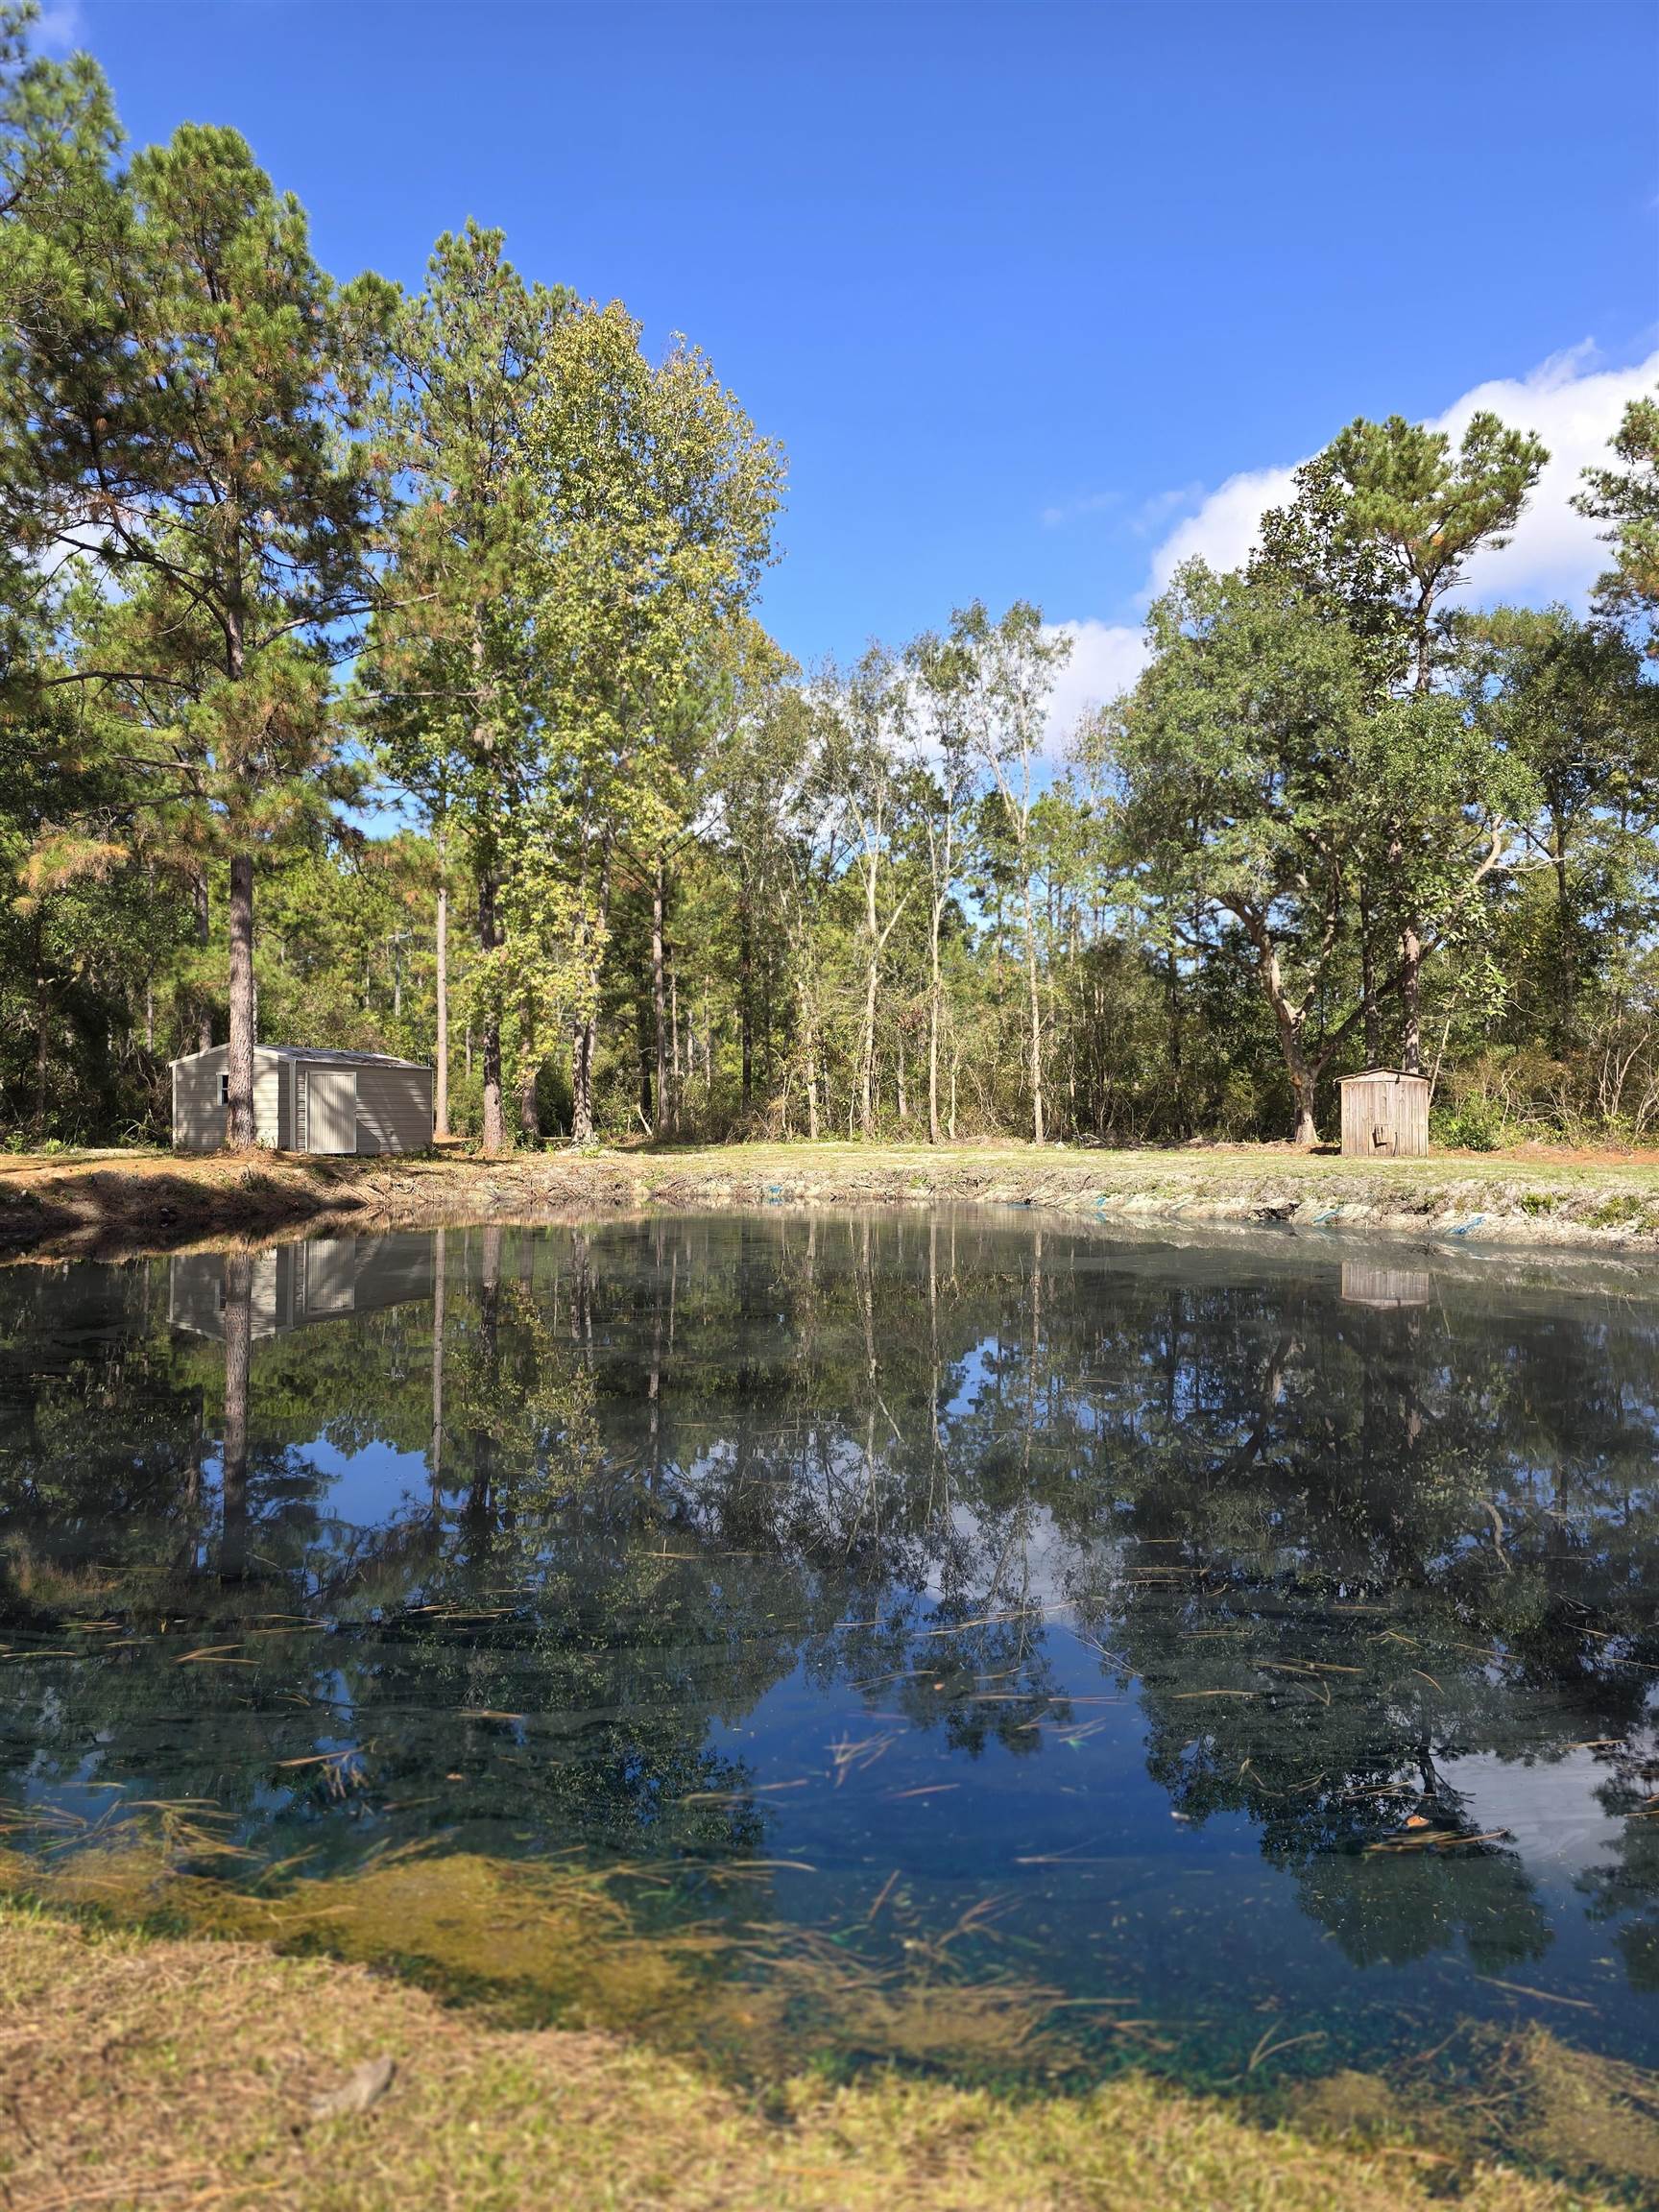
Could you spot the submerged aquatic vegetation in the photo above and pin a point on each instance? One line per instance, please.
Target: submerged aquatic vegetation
(210, 2092)
(821, 1644)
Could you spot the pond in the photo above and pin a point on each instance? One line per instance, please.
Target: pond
(937, 1637)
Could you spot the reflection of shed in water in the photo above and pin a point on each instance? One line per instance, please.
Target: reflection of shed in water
(1387, 1287)
(296, 1284)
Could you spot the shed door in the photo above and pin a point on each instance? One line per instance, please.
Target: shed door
(331, 1110)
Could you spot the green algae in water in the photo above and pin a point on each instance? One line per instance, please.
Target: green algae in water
(928, 1638)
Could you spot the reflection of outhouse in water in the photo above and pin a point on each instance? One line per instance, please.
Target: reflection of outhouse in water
(306, 1098)
(1385, 1287)
(1384, 1115)
(296, 1284)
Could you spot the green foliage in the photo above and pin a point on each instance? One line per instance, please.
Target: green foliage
(1474, 1124)
(634, 869)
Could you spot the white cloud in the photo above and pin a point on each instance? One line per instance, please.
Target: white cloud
(61, 27)
(1223, 529)
(1554, 553)
(1575, 408)
(1106, 658)
(1066, 511)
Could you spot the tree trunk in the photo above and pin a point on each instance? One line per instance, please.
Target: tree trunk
(867, 1054)
(809, 1052)
(872, 985)
(1304, 1077)
(664, 1116)
(582, 1044)
(239, 1127)
(1035, 999)
(529, 1121)
(435, 1456)
(935, 994)
(1368, 986)
(441, 1074)
(1304, 1086)
(1411, 999)
(745, 982)
(233, 1449)
(42, 1027)
(495, 1117)
(204, 932)
(1566, 930)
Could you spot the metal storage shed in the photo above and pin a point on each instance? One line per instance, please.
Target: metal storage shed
(1384, 1115)
(307, 1098)
(294, 1285)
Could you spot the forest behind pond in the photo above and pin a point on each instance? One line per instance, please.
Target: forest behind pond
(385, 669)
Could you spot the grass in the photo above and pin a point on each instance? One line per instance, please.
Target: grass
(141, 2073)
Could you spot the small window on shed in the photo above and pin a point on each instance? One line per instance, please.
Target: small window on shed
(225, 1088)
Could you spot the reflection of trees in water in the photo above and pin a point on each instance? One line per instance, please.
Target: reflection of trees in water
(1341, 1544)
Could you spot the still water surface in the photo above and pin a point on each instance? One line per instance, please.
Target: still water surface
(1249, 1648)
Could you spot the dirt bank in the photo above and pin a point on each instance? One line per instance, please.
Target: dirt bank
(117, 1203)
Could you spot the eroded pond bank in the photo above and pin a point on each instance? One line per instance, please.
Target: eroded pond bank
(119, 1204)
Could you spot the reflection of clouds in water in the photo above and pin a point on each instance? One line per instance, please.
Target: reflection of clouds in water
(704, 1497)
(1557, 1823)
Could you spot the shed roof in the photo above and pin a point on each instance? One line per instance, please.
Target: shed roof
(1392, 1074)
(328, 1052)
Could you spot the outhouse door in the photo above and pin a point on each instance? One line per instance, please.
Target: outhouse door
(331, 1110)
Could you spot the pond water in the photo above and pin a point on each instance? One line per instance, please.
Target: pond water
(967, 1637)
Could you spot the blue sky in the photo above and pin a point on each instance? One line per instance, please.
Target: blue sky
(1035, 295)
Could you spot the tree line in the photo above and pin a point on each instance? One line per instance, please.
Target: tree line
(384, 668)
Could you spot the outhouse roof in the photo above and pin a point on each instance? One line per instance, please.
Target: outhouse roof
(1393, 1075)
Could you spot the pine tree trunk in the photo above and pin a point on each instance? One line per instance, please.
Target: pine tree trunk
(1368, 986)
(441, 1075)
(204, 934)
(240, 1132)
(495, 1115)
(233, 1449)
(529, 1120)
(42, 1027)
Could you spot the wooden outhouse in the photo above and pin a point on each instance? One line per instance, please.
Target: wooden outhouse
(307, 1098)
(1384, 1115)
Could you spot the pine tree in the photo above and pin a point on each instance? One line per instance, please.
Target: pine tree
(186, 434)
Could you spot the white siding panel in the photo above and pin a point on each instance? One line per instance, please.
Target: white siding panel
(393, 1109)
(198, 1117)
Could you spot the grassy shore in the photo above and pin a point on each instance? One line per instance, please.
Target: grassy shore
(144, 1201)
(145, 2074)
